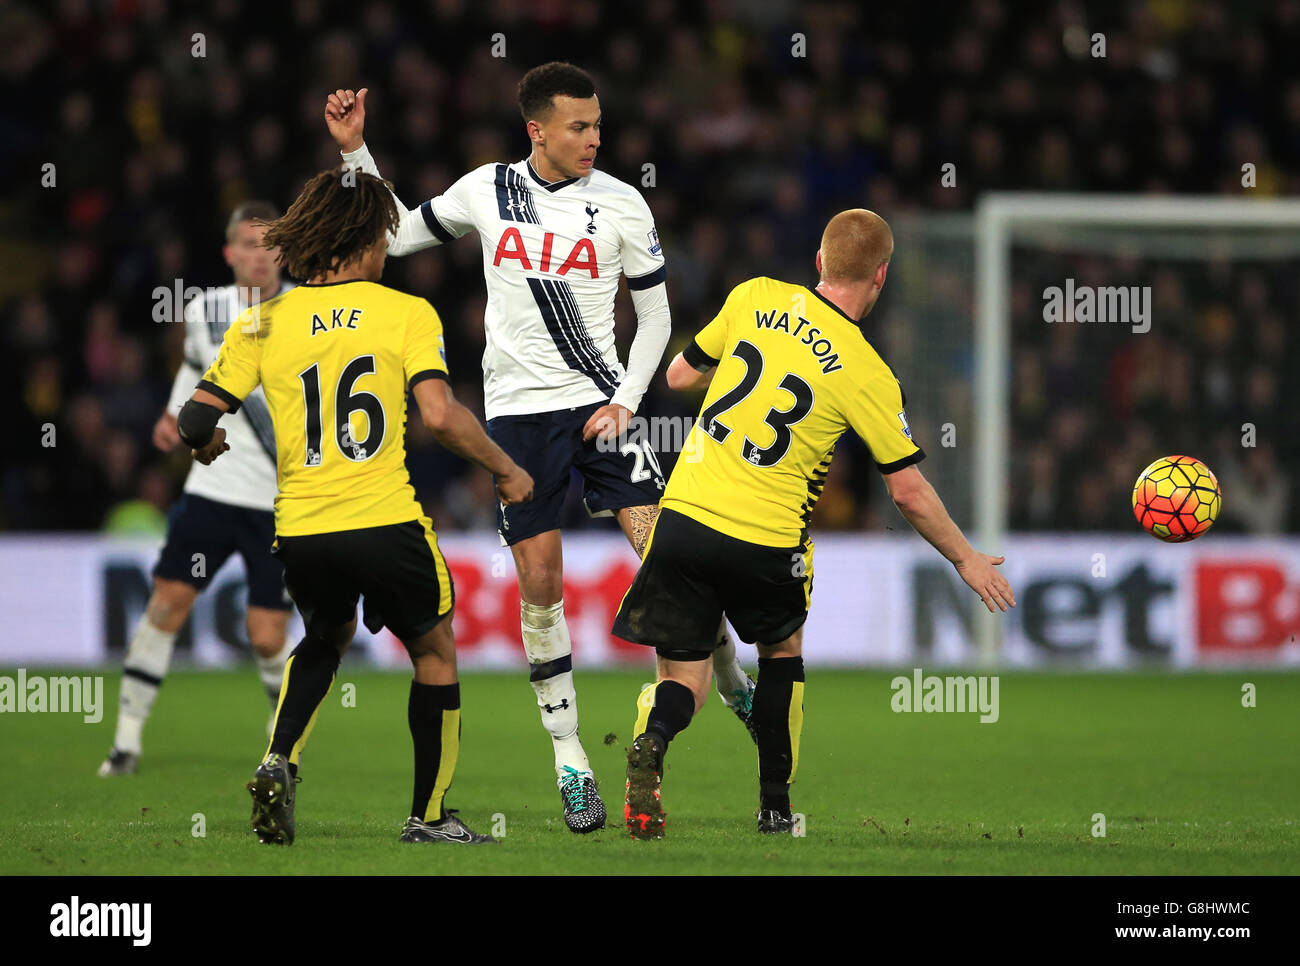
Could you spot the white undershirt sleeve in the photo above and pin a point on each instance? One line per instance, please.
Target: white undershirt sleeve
(413, 234)
(653, 327)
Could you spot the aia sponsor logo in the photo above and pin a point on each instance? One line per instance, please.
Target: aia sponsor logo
(511, 247)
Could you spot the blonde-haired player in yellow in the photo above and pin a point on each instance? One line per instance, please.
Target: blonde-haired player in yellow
(788, 370)
(336, 357)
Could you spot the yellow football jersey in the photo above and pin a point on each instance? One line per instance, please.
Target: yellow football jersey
(335, 362)
(793, 373)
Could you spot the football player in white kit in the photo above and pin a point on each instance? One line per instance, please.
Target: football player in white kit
(556, 235)
(226, 507)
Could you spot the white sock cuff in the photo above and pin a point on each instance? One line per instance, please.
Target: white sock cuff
(540, 616)
(545, 634)
(150, 650)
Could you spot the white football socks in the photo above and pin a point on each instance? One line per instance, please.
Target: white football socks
(271, 670)
(727, 672)
(147, 660)
(550, 659)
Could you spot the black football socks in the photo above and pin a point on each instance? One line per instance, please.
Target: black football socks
(673, 708)
(778, 720)
(433, 713)
(307, 678)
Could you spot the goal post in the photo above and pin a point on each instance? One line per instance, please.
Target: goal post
(999, 216)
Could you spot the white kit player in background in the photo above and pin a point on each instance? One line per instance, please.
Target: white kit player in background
(226, 507)
(556, 235)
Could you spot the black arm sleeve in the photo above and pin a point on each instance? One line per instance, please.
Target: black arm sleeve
(697, 358)
(196, 423)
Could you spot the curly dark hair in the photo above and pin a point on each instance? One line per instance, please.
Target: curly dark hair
(539, 87)
(339, 214)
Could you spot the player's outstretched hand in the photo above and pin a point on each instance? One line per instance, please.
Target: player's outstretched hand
(345, 114)
(215, 448)
(607, 422)
(515, 487)
(992, 587)
(165, 434)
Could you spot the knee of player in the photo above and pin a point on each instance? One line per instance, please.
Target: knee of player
(265, 643)
(433, 648)
(268, 631)
(322, 640)
(169, 605)
(433, 668)
(541, 584)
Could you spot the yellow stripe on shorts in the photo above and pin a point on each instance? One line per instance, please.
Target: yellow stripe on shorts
(440, 566)
(807, 575)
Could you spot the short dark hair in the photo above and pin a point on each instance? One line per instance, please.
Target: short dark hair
(339, 215)
(250, 211)
(541, 85)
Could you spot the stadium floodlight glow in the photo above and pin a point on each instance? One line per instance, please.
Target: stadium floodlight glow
(998, 216)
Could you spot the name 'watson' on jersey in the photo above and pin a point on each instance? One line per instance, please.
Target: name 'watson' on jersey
(552, 256)
(794, 372)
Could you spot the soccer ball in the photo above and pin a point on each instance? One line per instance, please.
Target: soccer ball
(1176, 498)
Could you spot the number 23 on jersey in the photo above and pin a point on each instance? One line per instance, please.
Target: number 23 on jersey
(778, 421)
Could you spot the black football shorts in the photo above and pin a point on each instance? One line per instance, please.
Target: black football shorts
(398, 568)
(203, 533)
(692, 575)
(549, 446)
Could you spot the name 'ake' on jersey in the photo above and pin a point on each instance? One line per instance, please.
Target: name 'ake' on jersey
(794, 372)
(335, 361)
(552, 256)
(248, 481)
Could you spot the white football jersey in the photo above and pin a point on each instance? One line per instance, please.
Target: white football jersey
(552, 256)
(245, 476)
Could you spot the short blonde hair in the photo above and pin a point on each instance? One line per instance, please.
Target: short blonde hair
(854, 245)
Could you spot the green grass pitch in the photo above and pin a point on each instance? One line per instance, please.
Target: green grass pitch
(1189, 781)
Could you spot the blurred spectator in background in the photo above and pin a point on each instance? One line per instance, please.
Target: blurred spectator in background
(744, 140)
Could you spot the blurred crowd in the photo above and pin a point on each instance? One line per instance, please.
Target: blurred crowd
(1093, 403)
(133, 127)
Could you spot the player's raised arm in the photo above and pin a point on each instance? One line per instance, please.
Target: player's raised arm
(345, 115)
(418, 228)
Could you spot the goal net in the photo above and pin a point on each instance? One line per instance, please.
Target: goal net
(1111, 330)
